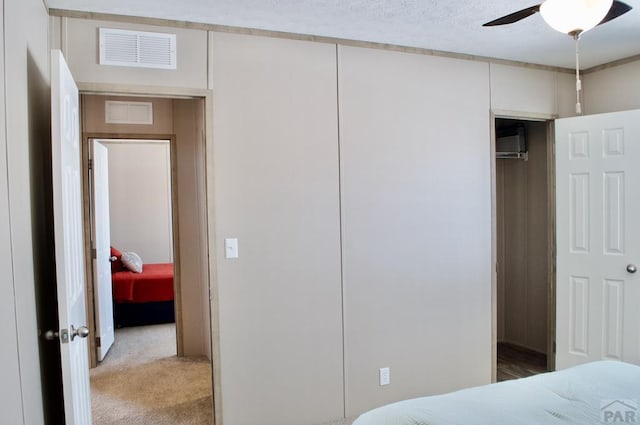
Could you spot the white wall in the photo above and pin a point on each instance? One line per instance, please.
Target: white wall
(10, 399)
(416, 220)
(140, 198)
(292, 188)
(612, 89)
(277, 191)
(527, 92)
(80, 45)
(25, 77)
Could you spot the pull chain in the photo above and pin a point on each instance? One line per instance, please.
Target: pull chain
(576, 37)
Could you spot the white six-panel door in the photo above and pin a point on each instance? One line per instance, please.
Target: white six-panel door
(102, 245)
(598, 238)
(69, 242)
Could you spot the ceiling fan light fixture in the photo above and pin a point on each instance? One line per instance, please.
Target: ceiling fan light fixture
(574, 16)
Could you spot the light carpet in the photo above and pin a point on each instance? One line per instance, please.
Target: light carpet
(142, 382)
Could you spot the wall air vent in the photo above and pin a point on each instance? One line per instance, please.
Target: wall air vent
(137, 49)
(117, 112)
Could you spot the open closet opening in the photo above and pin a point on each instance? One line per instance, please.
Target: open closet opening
(147, 260)
(524, 248)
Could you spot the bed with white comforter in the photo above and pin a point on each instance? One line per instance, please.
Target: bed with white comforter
(590, 394)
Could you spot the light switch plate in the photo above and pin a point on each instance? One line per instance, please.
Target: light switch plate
(231, 248)
(385, 376)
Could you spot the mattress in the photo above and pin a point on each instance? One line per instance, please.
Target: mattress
(589, 394)
(154, 284)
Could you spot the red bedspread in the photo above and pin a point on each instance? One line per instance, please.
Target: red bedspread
(155, 283)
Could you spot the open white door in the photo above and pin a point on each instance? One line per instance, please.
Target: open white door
(102, 245)
(69, 250)
(598, 238)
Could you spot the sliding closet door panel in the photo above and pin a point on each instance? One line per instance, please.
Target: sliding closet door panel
(416, 219)
(276, 192)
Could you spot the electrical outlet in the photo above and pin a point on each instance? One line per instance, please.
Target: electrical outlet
(385, 376)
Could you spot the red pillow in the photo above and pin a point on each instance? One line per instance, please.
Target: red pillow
(116, 260)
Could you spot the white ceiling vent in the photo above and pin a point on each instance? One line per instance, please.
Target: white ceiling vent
(137, 48)
(117, 112)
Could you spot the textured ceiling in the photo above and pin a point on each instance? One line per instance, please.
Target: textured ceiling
(451, 26)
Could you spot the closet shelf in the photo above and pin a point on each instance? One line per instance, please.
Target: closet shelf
(512, 155)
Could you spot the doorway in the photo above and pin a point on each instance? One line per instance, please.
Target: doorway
(131, 215)
(524, 248)
(156, 150)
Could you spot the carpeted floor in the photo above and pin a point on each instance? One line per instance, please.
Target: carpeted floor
(142, 382)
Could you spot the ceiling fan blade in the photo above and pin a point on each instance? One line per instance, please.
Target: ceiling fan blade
(515, 16)
(618, 8)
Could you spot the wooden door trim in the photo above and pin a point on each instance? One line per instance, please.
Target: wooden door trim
(551, 249)
(88, 212)
(211, 279)
(551, 233)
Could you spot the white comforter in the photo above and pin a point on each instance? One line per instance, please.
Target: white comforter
(581, 395)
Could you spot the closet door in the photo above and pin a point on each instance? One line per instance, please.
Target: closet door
(598, 238)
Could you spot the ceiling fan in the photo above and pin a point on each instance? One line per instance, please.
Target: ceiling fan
(572, 17)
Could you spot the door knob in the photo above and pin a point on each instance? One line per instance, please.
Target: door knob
(64, 334)
(631, 268)
(51, 335)
(81, 332)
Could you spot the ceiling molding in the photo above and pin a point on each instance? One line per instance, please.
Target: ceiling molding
(66, 13)
(612, 64)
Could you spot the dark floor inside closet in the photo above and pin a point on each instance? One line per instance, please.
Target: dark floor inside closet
(517, 362)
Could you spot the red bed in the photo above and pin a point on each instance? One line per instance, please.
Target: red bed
(142, 298)
(155, 283)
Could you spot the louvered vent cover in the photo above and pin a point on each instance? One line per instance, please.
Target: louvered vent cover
(117, 112)
(137, 49)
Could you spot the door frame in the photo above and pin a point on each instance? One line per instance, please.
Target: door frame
(103, 89)
(551, 233)
(552, 247)
(88, 212)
